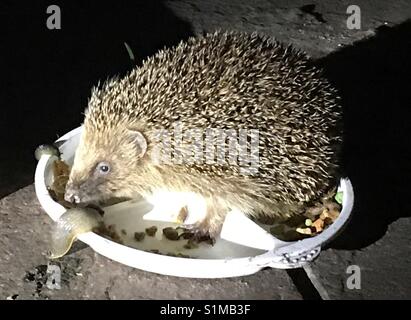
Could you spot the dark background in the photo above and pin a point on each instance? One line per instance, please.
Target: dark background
(47, 75)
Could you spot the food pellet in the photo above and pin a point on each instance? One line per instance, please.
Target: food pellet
(151, 231)
(304, 230)
(170, 233)
(139, 236)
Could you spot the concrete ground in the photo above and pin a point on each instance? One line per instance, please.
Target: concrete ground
(371, 69)
(88, 275)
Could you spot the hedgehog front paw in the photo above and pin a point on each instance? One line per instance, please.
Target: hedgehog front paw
(202, 232)
(208, 227)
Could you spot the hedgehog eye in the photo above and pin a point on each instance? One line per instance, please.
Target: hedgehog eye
(103, 168)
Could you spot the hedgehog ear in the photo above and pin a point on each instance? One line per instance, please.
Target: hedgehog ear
(139, 141)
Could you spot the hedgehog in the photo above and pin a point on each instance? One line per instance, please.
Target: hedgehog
(224, 83)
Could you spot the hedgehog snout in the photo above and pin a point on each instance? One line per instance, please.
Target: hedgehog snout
(82, 191)
(72, 196)
(73, 192)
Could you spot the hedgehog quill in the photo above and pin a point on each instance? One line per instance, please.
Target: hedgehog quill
(223, 80)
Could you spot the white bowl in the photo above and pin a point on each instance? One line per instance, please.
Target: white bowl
(225, 259)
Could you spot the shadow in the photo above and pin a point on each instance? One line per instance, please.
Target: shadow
(303, 284)
(374, 80)
(48, 74)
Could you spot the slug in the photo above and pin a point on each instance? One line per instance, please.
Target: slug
(49, 149)
(72, 223)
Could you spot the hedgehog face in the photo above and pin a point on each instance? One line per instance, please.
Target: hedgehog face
(105, 166)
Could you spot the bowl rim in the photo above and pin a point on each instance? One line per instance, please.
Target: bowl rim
(293, 255)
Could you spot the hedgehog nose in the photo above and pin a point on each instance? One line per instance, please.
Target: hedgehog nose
(71, 196)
